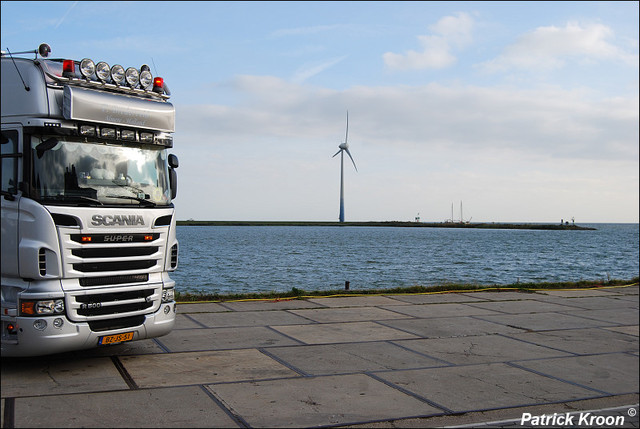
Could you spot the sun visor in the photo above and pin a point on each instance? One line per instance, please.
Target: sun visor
(89, 105)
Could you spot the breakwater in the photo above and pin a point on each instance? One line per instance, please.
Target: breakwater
(396, 224)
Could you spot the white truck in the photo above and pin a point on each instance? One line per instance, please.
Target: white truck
(88, 225)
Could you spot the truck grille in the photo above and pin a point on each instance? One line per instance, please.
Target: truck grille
(112, 256)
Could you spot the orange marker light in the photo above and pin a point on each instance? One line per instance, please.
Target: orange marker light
(27, 307)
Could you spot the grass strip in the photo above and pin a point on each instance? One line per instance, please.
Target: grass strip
(295, 293)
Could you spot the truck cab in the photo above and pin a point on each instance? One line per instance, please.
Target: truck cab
(87, 214)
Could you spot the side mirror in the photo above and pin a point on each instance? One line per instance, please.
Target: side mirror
(173, 176)
(173, 161)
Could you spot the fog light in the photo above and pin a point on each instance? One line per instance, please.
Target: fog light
(167, 309)
(117, 74)
(40, 324)
(132, 76)
(87, 68)
(145, 79)
(58, 322)
(103, 71)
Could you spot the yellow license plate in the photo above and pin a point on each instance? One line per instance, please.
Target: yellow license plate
(117, 338)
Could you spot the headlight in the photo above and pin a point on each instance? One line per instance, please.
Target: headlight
(117, 74)
(87, 68)
(167, 295)
(103, 71)
(42, 307)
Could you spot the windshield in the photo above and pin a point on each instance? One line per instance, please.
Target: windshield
(72, 171)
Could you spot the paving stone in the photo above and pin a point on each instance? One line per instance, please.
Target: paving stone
(328, 315)
(582, 341)
(520, 307)
(631, 330)
(440, 310)
(614, 373)
(628, 316)
(503, 295)
(486, 386)
(479, 349)
(135, 408)
(544, 321)
(178, 369)
(185, 321)
(290, 304)
(446, 327)
(318, 401)
(249, 318)
(356, 301)
(581, 292)
(328, 333)
(47, 376)
(435, 298)
(200, 307)
(600, 303)
(223, 338)
(351, 357)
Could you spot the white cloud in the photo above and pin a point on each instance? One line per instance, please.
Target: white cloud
(552, 47)
(449, 33)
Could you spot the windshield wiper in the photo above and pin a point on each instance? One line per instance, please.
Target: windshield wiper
(138, 199)
(71, 198)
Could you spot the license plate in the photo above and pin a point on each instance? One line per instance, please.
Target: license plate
(117, 338)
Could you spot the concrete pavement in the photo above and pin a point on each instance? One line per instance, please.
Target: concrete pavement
(458, 359)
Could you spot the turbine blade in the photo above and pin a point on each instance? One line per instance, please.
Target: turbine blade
(337, 153)
(354, 163)
(346, 135)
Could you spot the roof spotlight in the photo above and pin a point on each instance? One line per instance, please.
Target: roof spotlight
(132, 77)
(117, 74)
(146, 79)
(87, 68)
(103, 71)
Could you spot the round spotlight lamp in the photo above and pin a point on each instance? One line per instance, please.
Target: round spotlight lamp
(103, 71)
(87, 68)
(117, 74)
(132, 77)
(146, 80)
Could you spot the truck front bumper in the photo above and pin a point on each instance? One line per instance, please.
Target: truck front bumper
(37, 336)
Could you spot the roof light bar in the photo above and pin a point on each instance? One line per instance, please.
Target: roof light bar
(138, 80)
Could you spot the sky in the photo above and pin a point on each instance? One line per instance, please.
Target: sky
(516, 111)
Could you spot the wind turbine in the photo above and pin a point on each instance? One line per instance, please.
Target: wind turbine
(344, 147)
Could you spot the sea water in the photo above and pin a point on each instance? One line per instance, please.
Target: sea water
(244, 259)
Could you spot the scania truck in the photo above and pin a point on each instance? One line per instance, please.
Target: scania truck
(88, 225)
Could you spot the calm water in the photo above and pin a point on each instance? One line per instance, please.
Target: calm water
(229, 259)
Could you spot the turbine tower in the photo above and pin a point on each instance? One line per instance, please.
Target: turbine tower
(344, 147)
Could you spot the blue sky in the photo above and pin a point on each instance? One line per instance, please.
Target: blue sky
(524, 111)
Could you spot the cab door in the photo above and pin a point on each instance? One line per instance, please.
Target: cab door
(10, 166)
